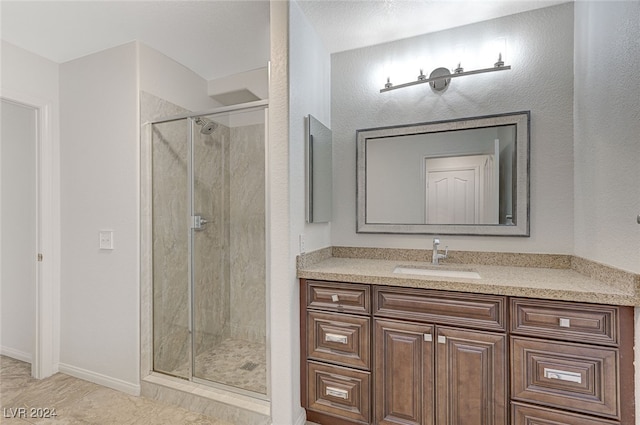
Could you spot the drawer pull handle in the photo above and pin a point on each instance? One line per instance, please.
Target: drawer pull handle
(342, 339)
(563, 375)
(428, 337)
(335, 298)
(337, 392)
(565, 323)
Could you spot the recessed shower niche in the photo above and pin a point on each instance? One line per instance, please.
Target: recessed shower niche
(208, 248)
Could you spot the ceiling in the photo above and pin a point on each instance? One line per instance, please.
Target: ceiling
(218, 38)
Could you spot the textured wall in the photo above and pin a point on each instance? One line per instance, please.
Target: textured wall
(607, 133)
(540, 50)
(310, 74)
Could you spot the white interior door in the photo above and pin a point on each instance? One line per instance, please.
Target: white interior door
(18, 150)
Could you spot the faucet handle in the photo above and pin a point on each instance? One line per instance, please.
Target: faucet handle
(436, 241)
(446, 251)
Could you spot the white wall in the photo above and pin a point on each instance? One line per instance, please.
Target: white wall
(30, 74)
(607, 133)
(100, 190)
(285, 409)
(256, 81)
(540, 50)
(169, 80)
(310, 93)
(607, 139)
(31, 79)
(297, 88)
(18, 178)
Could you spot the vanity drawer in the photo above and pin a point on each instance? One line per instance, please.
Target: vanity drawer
(339, 338)
(565, 375)
(528, 415)
(341, 297)
(577, 322)
(471, 310)
(339, 392)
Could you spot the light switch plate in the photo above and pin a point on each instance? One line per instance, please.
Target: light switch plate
(106, 239)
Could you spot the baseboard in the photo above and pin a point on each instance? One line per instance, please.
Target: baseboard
(302, 418)
(100, 379)
(16, 354)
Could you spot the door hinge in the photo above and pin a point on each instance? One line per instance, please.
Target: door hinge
(39, 257)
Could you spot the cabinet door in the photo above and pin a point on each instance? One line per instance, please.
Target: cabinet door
(471, 373)
(403, 373)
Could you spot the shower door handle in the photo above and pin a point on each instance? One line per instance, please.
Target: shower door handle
(198, 222)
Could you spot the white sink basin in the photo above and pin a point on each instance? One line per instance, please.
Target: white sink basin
(437, 272)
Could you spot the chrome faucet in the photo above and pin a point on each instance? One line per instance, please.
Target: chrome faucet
(435, 259)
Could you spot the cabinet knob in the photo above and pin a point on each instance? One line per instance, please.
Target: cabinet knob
(442, 339)
(335, 298)
(565, 323)
(428, 337)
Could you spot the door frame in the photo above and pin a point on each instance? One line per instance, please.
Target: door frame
(47, 302)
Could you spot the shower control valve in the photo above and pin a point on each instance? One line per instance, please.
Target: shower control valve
(198, 222)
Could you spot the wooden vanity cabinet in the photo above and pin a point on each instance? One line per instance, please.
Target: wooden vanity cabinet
(386, 355)
(426, 374)
(437, 372)
(571, 363)
(439, 358)
(335, 335)
(405, 370)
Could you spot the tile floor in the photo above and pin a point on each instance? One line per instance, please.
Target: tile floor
(78, 402)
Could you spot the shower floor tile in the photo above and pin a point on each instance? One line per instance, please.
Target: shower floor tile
(237, 363)
(234, 362)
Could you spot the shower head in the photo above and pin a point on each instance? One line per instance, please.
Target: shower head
(208, 126)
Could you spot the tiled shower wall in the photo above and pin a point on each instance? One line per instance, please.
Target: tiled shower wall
(247, 230)
(211, 244)
(229, 254)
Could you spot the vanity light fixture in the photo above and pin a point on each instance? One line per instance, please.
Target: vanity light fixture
(440, 78)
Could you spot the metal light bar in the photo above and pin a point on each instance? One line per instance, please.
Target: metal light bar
(445, 77)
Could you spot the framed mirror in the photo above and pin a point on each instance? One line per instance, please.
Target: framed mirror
(457, 177)
(319, 171)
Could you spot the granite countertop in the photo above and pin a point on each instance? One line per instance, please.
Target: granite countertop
(535, 276)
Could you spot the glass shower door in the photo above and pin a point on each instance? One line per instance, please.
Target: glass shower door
(228, 250)
(171, 301)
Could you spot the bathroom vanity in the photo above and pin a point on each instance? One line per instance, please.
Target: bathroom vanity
(378, 347)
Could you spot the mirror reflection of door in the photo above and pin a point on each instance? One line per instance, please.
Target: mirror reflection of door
(462, 189)
(451, 196)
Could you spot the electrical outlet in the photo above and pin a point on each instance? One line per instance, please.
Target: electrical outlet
(106, 239)
(301, 240)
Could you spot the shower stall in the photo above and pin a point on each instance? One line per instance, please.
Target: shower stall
(209, 305)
